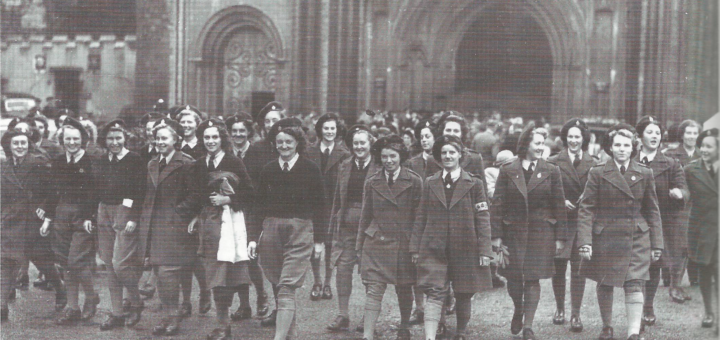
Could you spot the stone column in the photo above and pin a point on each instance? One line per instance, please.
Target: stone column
(152, 68)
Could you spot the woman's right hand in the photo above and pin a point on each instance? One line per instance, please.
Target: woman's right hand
(415, 258)
(569, 205)
(191, 226)
(45, 228)
(40, 213)
(252, 250)
(586, 252)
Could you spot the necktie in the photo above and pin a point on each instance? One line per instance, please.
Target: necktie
(448, 180)
(113, 158)
(286, 167)
(645, 160)
(711, 171)
(531, 167)
(622, 169)
(391, 180)
(211, 163)
(72, 159)
(576, 162)
(152, 152)
(163, 163)
(324, 158)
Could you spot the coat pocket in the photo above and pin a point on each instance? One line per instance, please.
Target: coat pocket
(598, 228)
(643, 226)
(372, 230)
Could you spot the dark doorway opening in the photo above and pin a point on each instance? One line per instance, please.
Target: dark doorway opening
(504, 61)
(68, 87)
(259, 99)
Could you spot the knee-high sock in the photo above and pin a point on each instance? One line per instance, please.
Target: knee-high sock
(373, 304)
(678, 270)
(116, 290)
(223, 300)
(72, 285)
(706, 288)
(199, 271)
(343, 284)
(186, 284)
(463, 310)
(634, 310)
(285, 313)
(405, 303)
(515, 290)
(577, 288)
(86, 280)
(328, 266)
(276, 291)
(244, 295)
(433, 310)
(7, 280)
(256, 276)
(419, 298)
(559, 282)
(315, 264)
(532, 298)
(651, 287)
(605, 302)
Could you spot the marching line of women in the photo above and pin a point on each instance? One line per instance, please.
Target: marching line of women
(201, 199)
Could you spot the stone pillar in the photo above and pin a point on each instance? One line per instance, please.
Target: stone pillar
(152, 68)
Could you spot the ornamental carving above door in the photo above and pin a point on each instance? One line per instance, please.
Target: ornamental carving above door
(251, 65)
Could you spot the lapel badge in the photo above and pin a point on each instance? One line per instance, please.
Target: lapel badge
(539, 175)
(82, 170)
(482, 206)
(448, 186)
(632, 178)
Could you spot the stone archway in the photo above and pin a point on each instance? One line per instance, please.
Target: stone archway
(239, 53)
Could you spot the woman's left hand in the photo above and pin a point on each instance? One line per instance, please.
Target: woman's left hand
(88, 226)
(559, 246)
(676, 193)
(219, 200)
(319, 249)
(656, 254)
(484, 261)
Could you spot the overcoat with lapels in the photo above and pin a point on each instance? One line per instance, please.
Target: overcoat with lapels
(529, 218)
(450, 239)
(386, 225)
(619, 217)
(703, 229)
(340, 204)
(424, 168)
(163, 232)
(574, 180)
(330, 172)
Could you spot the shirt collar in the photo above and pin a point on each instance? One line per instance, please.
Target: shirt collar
(169, 157)
(291, 162)
(573, 156)
(241, 152)
(191, 144)
(394, 175)
(526, 164)
(78, 155)
(119, 156)
(454, 175)
(650, 156)
(218, 158)
(363, 164)
(626, 164)
(323, 147)
(425, 156)
(151, 147)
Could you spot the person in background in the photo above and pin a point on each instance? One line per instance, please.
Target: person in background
(51, 147)
(189, 119)
(147, 122)
(120, 188)
(702, 180)
(574, 163)
(353, 172)
(327, 154)
(262, 152)
(390, 199)
(451, 238)
(484, 141)
(492, 172)
(528, 216)
(619, 229)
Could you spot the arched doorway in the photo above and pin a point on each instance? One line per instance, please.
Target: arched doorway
(504, 61)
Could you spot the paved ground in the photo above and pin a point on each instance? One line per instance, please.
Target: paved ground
(32, 317)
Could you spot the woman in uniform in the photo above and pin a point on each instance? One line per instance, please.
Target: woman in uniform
(528, 217)
(72, 206)
(619, 229)
(164, 240)
(189, 119)
(574, 163)
(687, 151)
(702, 179)
(390, 200)
(672, 194)
(345, 216)
(220, 192)
(289, 210)
(120, 189)
(327, 154)
(451, 238)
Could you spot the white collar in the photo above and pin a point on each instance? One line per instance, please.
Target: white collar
(573, 156)
(169, 157)
(526, 164)
(425, 155)
(241, 152)
(626, 164)
(218, 158)
(454, 175)
(650, 156)
(191, 144)
(323, 147)
(395, 174)
(291, 162)
(151, 147)
(119, 156)
(363, 164)
(78, 155)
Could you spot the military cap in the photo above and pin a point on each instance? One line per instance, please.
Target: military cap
(644, 122)
(426, 123)
(150, 117)
(74, 123)
(354, 129)
(271, 106)
(172, 124)
(9, 135)
(115, 125)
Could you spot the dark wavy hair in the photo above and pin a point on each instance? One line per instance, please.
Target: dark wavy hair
(225, 142)
(328, 117)
(447, 140)
(7, 139)
(242, 120)
(453, 118)
(709, 133)
(296, 132)
(624, 130)
(584, 131)
(392, 142)
(526, 138)
(646, 121)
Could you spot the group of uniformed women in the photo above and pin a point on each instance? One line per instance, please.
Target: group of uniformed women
(201, 200)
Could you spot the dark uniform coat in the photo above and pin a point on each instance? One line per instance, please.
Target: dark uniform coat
(681, 155)
(257, 156)
(573, 180)
(386, 225)
(423, 168)
(163, 232)
(330, 172)
(339, 205)
(619, 217)
(703, 228)
(451, 238)
(529, 217)
(668, 174)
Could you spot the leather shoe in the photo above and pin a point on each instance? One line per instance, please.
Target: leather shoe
(417, 317)
(160, 328)
(134, 315)
(220, 333)
(404, 334)
(60, 296)
(327, 293)
(528, 334)
(270, 320)
(576, 324)
(708, 321)
(649, 318)
(607, 333)
(4, 313)
(205, 302)
(450, 309)
(677, 295)
(516, 325)
(316, 292)
(636, 337)
(341, 324)
(185, 310)
(147, 293)
(174, 326)
(111, 322)
(262, 304)
(126, 304)
(559, 318)
(242, 313)
(90, 307)
(70, 317)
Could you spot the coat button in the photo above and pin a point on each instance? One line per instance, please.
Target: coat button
(630, 202)
(382, 238)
